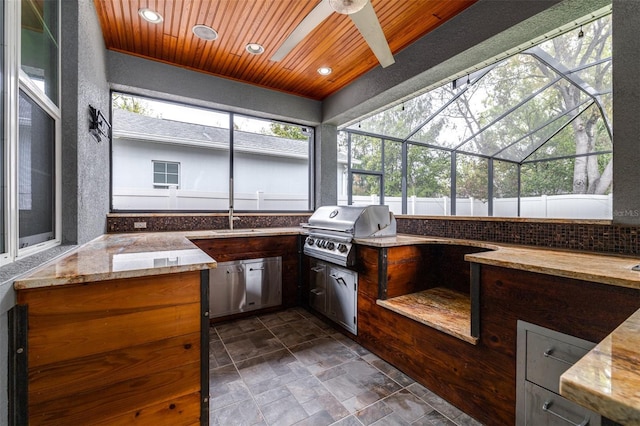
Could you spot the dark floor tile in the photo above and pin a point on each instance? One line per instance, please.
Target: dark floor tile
(373, 413)
(271, 371)
(442, 406)
(321, 418)
(466, 420)
(295, 333)
(218, 355)
(348, 421)
(242, 413)
(392, 419)
(239, 327)
(283, 412)
(314, 398)
(436, 419)
(392, 372)
(321, 354)
(226, 387)
(407, 405)
(357, 384)
(252, 344)
(279, 318)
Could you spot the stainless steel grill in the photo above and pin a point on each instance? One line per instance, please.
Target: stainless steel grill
(333, 228)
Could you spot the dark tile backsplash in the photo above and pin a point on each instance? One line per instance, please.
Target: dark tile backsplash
(570, 235)
(594, 237)
(158, 223)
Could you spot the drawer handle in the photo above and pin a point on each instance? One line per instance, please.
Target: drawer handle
(339, 279)
(549, 354)
(317, 269)
(546, 408)
(256, 269)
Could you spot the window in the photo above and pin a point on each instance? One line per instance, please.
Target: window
(29, 158)
(36, 174)
(39, 44)
(165, 174)
(205, 160)
(529, 135)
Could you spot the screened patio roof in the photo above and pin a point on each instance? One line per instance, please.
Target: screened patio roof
(523, 127)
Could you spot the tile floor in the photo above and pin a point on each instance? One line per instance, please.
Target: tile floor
(291, 368)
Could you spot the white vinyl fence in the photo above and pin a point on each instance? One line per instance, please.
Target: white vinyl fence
(570, 206)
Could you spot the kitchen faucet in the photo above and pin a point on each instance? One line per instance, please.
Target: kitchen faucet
(232, 217)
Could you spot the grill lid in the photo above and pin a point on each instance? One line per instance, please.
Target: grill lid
(358, 221)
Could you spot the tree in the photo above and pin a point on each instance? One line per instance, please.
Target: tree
(287, 131)
(132, 104)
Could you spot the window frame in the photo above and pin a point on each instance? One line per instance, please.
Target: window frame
(231, 115)
(158, 185)
(14, 81)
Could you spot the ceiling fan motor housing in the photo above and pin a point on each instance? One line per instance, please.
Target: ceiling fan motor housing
(347, 7)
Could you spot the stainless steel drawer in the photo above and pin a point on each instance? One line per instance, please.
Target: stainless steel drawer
(543, 407)
(548, 358)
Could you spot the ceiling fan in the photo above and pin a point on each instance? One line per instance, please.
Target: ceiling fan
(361, 13)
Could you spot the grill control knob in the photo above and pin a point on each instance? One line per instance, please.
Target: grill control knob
(330, 245)
(342, 248)
(310, 241)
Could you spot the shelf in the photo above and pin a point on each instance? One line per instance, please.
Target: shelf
(441, 308)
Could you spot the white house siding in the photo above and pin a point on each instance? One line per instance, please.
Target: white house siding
(261, 182)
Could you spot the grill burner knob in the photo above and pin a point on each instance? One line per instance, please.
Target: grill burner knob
(330, 245)
(310, 241)
(342, 248)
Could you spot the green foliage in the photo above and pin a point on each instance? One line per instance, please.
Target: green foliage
(131, 104)
(287, 131)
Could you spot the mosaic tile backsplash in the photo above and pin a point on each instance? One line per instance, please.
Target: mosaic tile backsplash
(570, 235)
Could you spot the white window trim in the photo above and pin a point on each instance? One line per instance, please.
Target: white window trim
(164, 185)
(15, 80)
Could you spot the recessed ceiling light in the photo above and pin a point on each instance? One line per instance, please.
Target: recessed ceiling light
(150, 15)
(254, 48)
(324, 70)
(204, 32)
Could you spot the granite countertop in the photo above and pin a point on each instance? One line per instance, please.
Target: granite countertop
(113, 256)
(607, 379)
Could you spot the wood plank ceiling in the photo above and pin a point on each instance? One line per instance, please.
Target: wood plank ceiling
(335, 43)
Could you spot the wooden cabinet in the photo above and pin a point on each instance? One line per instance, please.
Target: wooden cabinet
(479, 379)
(122, 351)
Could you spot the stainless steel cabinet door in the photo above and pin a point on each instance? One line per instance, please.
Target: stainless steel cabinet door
(226, 289)
(342, 297)
(263, 282)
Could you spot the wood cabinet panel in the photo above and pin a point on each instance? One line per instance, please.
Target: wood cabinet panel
(582, 309)
(104, 403)
(77, 375)
(110, 350)
(181, 411)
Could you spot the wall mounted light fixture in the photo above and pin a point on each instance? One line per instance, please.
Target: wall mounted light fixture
(99, 126)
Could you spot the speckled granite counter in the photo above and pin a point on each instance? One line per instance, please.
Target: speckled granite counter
(113, 256)
(607, 379)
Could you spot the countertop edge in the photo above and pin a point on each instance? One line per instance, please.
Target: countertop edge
(583, 383)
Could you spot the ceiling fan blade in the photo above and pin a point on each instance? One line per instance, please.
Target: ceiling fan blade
(312, 20)
(369, 26)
